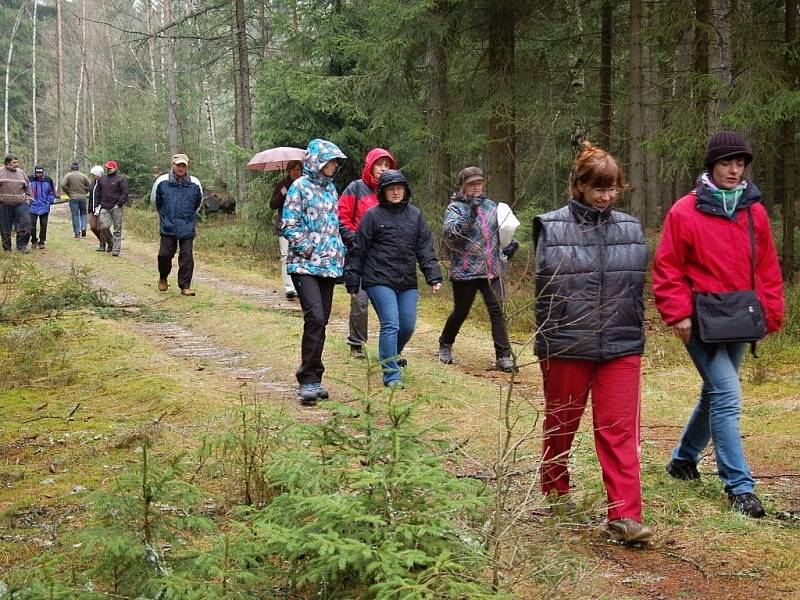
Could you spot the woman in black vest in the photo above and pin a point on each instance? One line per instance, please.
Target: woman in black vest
(590, 268)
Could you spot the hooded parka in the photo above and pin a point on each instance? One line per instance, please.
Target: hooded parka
(360, 195)
(390, 241)
(590, 271)
(310, 219)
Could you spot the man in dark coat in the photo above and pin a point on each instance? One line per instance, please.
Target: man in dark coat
(177, 196)
(112, 192)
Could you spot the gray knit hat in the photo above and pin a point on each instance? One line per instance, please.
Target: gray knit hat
(726, 144)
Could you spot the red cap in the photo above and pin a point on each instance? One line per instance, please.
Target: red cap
(112, 164)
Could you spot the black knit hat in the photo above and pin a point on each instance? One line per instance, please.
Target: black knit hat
(75, 166)
(726, 144)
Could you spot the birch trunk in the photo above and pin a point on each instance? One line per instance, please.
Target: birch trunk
(33, 89)
(8, 76)
(79, 93)
(150, 47)
(172, 83)
(60, 91)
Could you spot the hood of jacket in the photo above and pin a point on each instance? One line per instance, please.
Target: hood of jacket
(318, 153)
(707, 203)
(393, 177)
(369, 161)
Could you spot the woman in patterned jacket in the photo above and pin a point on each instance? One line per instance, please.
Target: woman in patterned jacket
(316, 256)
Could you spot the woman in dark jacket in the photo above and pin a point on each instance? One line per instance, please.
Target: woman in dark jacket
(590, 267)
(391, 240)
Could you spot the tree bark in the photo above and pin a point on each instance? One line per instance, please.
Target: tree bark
(79, 92)
(789, 146)
(438, 113)
(8, 75)
(172, 79)
(244, 75)
(501, 146)
(701, 36)
(151, 53)
(59, 91)
(720, 62)
(636, 172)
(606, 57)
(34, 112)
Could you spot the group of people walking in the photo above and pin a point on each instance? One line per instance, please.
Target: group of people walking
(590, 266)
(25, 204)
(374, 238)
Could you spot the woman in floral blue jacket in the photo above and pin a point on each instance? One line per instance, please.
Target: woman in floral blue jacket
(316, 256)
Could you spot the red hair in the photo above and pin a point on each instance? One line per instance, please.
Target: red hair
(595, 167)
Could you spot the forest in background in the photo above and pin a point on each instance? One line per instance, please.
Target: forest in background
(513, 86)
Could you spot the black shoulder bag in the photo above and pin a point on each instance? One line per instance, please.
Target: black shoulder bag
(732, 316)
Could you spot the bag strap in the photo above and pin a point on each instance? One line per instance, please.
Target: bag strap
(751, 228)
(751, 231)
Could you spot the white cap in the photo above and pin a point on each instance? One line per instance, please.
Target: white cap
(97, 171)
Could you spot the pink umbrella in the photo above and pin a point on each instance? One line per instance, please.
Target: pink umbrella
(275, 159)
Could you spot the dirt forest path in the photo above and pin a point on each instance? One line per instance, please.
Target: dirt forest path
(241, 327)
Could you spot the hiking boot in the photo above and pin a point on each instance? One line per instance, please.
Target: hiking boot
(748, 504)
(24, 250)
(308, 394)
(505, 364)
(681, 469)
(110, 249)
(162, 285)
(357, 352)
(394, 385)
(291, 295)
(628, 531)
(101, 248)
(83, 233)
(322, 393)
(185, 291)
(446, 353)
(41, 245)
(402, 362)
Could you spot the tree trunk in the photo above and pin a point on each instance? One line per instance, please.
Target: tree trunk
(172, 79)
(244, 75)
(789, 146)
(8, 75)
(59, 92)
(606, 57)
(438, 115)
(78, 94)
(651, 124)
(577, 74)
(720, 62)
(151, 53)
(211, 124)
(34, 113)
(636, 172)
(701, 36)
(501, 146)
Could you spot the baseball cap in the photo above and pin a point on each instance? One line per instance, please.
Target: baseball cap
(180, 159)
(38, 169)
(112, 164)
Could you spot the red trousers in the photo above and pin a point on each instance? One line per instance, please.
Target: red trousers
(615, 386)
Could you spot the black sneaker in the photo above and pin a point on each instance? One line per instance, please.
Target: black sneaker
(684, 470)
(402, 362)
(748, 504)
(357, 352)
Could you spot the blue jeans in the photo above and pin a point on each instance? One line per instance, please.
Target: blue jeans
(716, 416)
(397, 312)
(77, 209)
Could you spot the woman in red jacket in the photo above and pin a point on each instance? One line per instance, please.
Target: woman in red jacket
(705, 247)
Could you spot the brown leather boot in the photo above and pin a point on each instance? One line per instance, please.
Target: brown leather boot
(187, 292)
(162, 285)
(629, 531)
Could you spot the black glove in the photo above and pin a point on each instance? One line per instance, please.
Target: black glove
(511, 249)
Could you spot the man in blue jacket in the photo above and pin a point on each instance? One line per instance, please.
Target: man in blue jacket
(44, 194)
(177, 196)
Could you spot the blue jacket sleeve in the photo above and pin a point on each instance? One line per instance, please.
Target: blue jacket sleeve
(293, 222)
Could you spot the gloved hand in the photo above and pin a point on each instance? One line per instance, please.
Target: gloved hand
(511, 249)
